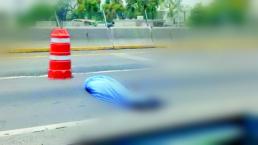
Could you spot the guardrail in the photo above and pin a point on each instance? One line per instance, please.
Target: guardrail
(131, 37)
(90, 38)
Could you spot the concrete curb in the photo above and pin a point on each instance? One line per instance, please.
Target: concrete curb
(87, 48)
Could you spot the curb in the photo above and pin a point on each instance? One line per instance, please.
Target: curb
(87, 48)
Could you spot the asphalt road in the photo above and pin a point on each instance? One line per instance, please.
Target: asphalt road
(28, 98)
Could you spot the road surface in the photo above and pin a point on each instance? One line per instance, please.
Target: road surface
(179, 78)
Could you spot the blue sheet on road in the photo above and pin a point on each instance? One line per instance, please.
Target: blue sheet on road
(110, 90)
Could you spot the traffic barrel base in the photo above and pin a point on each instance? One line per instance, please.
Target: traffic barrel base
(63, 74)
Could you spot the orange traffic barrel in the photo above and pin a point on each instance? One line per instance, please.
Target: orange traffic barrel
(60, 55)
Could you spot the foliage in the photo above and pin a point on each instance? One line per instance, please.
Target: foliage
(198, 16)
(139, 7)
(91, 9)
(62, 9)
(114, 9)
(219, 12)
(173, 7)
(66, 9)
(133, 8)
(87, 8)
(151, 7)
(38, 12)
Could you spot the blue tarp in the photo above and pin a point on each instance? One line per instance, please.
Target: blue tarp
(108, 89)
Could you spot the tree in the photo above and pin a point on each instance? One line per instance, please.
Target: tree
(38, 12)
(173, 6)
(150, 7)
(92, 8)
(140, 7)
(113, 9)
(219, 13)
(198, 16)
(65, 9)
(133, 8)
(87, 8)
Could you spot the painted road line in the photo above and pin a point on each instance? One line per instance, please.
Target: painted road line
(21, 77)
(45, 128)
(74, 74)
(112, 71)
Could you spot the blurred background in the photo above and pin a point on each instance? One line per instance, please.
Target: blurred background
(206, 21)
(199, 57)
(163, 12)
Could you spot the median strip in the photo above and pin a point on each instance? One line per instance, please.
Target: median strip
(86, 48)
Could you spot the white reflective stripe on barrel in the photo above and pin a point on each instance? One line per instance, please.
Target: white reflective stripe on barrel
(56, 57)
(60, 40)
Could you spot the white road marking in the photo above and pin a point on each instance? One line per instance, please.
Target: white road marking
(86, 73)
(112, 71)
(20, 77)
(44, 128)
